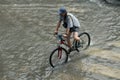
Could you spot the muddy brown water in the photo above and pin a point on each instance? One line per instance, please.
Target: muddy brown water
(26, 40)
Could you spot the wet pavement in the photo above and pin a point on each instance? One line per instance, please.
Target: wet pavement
(26, 40)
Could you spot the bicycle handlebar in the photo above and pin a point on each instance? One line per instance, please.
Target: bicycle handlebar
(59, 36)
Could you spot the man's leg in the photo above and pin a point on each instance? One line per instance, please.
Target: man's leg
(77, 38)
(75, 35)
(68, 39)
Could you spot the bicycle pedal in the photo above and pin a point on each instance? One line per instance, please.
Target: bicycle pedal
(70, 50)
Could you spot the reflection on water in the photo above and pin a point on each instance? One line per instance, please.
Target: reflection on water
(26, 40)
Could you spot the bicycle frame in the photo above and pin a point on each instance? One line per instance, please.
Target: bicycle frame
(61, 40)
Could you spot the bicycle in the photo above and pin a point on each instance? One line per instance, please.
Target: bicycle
(60, 55)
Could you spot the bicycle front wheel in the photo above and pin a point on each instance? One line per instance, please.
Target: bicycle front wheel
(58, 57)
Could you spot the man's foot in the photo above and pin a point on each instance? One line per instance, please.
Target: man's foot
(78, 44)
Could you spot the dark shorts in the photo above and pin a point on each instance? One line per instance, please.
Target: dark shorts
(74, 29)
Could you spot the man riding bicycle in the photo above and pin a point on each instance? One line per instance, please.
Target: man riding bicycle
(70, 23)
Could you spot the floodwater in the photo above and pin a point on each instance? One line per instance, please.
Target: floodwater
(26, 40)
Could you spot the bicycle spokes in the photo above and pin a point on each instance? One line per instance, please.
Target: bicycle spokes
(82, 42)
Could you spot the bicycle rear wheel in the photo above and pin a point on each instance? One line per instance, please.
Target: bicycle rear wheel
(84, 41)
(58, 57)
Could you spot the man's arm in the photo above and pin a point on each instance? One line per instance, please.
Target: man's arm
(57, 28)
(67, 30)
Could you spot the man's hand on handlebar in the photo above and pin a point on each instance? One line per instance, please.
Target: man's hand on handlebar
(56, 32)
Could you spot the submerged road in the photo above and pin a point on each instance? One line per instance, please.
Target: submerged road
(26, 40)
